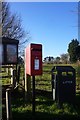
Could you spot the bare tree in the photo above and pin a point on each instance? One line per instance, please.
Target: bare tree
(11, 25)
(57, 60)
(65, 58)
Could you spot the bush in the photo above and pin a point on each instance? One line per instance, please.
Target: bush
(78, 71)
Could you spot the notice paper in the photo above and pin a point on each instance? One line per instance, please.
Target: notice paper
(36, 64)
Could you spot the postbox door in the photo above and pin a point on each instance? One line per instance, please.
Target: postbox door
(36, 63)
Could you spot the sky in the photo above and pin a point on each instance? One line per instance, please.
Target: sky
(52, 24)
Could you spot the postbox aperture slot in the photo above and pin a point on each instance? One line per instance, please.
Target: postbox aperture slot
(34, 49)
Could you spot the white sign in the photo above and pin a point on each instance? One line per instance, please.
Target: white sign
(67, 82)
(36, 64)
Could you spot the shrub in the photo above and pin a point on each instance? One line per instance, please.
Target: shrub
(78, 71)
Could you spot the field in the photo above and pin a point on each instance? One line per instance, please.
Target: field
(46, 108)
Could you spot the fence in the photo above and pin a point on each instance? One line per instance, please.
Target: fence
(15, 75)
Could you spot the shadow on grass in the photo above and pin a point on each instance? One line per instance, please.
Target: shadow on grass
(43, 116)
(43, 98)
(21, 110)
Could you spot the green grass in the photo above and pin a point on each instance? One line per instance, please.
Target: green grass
(46, 108)
(45, 81)
(46, 73)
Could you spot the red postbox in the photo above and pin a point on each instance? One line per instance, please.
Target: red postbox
(33, 59)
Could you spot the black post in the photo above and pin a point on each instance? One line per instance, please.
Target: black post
(33, 95)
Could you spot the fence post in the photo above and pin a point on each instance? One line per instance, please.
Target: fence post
(13, 79)
(28, 87)
(18, 74)
(7, 70)
(8, 104)
(12, 75)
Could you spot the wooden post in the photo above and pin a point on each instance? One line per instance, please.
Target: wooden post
(7, 70)
(27, 87)
(18, 73)
(12, 75)
(8, 104)
(33, 95)
(14, 78)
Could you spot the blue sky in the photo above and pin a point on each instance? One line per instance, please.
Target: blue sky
(53, 24)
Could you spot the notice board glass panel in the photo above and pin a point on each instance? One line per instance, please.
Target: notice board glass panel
(11, 53)
(1, 53)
